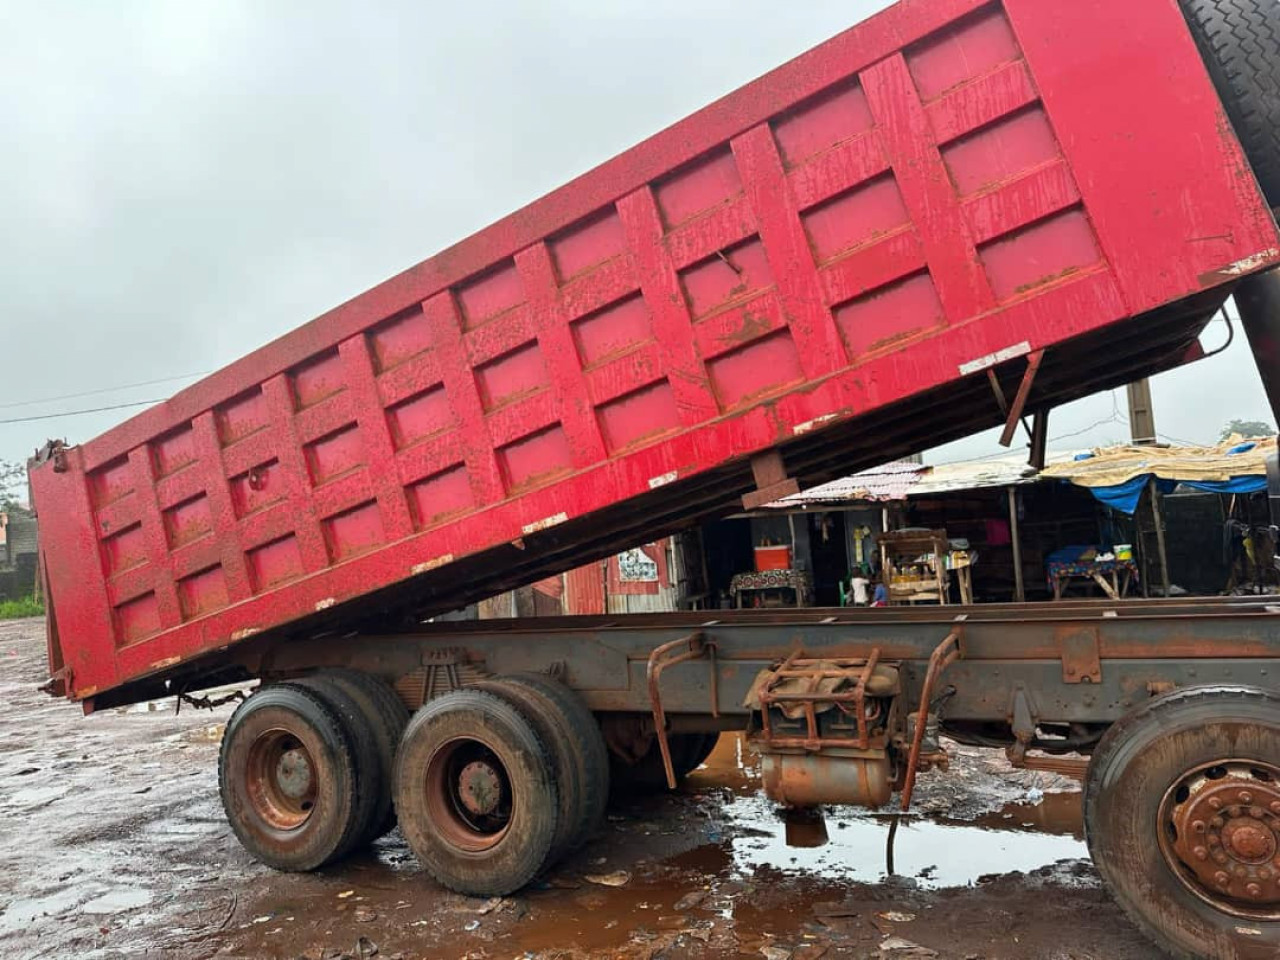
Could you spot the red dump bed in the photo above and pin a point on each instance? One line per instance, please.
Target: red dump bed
(825, 262)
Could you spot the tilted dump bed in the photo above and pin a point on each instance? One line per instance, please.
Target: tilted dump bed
(826, 262)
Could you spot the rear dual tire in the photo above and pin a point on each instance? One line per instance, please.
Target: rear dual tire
(305, 768)
(500, 781)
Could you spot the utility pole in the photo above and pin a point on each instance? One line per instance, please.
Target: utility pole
(1142, 418)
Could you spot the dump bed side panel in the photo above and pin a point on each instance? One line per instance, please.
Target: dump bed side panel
(949, 185)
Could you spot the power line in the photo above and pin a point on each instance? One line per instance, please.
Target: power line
(94, 393)
(78, 413)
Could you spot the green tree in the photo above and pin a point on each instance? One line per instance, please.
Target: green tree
(13, 487)
(1246, 428)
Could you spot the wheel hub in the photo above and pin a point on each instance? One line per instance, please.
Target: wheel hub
(479, 788)
(1222, 825)
(293, 774)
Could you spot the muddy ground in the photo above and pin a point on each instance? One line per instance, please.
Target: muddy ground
(113, 844)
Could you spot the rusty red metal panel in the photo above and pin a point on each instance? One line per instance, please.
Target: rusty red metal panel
(951, 185)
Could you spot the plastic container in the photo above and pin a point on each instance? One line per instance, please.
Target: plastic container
(773, 558)
(1124, 551)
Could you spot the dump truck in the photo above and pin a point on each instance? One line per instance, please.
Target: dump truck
(955, 215)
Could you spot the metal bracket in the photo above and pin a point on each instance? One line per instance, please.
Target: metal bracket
(813, 672)
(772, 482)
(1081, 662)
(945, 654)
(696, 647)
(1019, 404)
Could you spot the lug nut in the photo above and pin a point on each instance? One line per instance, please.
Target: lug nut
(1246, 796)
(1217, 823)
(1215, 803)
(1201, 853)
(1198, 826)
(1256, 813)
(1253, 890)
(1275, 808)
(1221, 879)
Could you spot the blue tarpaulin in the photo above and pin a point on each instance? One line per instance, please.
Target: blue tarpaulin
(1125, 496)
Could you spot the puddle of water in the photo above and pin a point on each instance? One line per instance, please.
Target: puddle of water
(116, 901)
(22, 912)
(811, 849)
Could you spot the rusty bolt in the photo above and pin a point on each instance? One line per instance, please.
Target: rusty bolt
(1240, 872)
(1275, 808)
(1215, 803)
(1253, 890)
(1217, 823)
(1265, 873)
(1246, 796)
(1220, 856)
(1221, 879)
(1198, 826)
(1214, 840)
(1256, 812)
(1201, 853)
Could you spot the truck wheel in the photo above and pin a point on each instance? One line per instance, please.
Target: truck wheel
(554, 730)
(699, 751)
(475, 793)
(289, 778)
(384, 716)
(1182, 814)
(591, 756)
(373, 787)
(1240, 43)
(688, 751)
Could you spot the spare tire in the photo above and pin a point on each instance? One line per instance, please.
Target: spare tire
(1240, 43)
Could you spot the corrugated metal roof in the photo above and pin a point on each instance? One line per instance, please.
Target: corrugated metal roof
(888, 482)
(900, 480)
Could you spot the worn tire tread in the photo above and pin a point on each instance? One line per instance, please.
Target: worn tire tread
(1240, 43)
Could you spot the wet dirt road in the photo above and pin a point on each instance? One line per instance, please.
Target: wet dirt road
(113, 844)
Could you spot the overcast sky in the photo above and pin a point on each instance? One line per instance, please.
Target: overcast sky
(183, 181)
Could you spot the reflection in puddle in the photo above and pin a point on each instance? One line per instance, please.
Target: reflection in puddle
(847, 843)
(939, 854)
(812, 850)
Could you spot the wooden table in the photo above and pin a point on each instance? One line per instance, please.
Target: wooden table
(1115, 577)
(762, 581)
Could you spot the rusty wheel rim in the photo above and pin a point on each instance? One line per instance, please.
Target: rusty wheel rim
(1220, 832)
(280, 779)
(469, 795)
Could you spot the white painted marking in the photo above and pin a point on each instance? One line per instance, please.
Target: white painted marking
(547, 523)
(663, 480)
(991, 359)
(813, 424)
(439, 561)
(326, 603)
(1249, 264)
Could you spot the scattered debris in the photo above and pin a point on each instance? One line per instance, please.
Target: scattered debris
(365, 914)
(345, 893)
(896, 916)
(491, 905)
(471, 925)
(690, 900)
(900, 949)
(619, 878)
